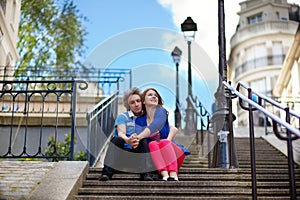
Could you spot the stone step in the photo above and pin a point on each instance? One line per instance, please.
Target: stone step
(176, 190)
(151, 197)
(211, 173)
(188, 183)
(96, 170)
(199, 182)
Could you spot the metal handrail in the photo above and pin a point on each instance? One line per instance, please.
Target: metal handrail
(257, 105)
(262, 109)
(100, 120)
(202, 112)
(269, 100)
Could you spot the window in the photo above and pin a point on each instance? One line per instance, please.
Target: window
(13, 13)
(261, 55)
(259, 86)
(256, 56)
(277, 15)
(255, 19)
(1, 35)
(3, 5)
(277, 53)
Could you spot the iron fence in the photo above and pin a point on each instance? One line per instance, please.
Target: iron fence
(27, 106)
(104, 80)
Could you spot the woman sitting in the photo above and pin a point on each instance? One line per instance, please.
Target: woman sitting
(167, 156)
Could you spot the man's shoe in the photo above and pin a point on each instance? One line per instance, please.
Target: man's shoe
(146, 177)
(104, 177)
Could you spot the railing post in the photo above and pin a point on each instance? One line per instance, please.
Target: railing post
(290, 157)
(252, 148)
(233, 162)
(73, 118)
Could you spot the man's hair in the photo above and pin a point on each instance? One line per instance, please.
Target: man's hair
(128, 93)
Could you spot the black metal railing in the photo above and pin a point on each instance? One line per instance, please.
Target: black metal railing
(106, 80)
(100, 121)
(203, 126)
(252, 101)
(27, 107)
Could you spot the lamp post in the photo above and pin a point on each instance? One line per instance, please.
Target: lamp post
(223, 117)
(189, 28)
(176, 54)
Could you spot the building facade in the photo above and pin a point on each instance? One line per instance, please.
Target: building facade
(287, 86)
(9, 25)
(263, 37)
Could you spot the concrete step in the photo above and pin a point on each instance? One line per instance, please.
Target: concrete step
(151, 197)
(199, 182)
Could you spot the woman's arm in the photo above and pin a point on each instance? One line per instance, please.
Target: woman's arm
(172, 133)
(160, 118)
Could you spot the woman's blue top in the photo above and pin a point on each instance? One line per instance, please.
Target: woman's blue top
(160, 124)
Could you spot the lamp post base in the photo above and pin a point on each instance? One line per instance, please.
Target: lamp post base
(224, 150)
(190, 127)
(177, 118)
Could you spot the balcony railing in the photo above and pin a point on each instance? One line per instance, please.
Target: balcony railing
(259, 63)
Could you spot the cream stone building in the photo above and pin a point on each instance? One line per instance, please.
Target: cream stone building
(287, 86)
(259, 47)
(9, 24)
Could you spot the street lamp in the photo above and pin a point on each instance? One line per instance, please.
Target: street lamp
(176, 54)
(189, 28)
(223, 117)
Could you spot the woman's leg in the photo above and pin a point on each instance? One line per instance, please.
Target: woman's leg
(179, 155)
(180, 158)
(157, 157)
(169, 155)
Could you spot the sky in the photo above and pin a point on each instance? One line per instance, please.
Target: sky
(141, 34)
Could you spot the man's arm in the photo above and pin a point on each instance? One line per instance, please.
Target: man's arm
(121, 129)
(132, 140)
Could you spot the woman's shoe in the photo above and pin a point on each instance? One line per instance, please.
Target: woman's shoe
(160, 179)
(172, 179)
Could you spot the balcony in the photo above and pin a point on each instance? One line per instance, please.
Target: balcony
(262, 29)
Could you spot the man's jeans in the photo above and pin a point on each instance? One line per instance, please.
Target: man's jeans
(129, 160)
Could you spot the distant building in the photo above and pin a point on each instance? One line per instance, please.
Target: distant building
(263, 37)
(9, 24)
(288, 84)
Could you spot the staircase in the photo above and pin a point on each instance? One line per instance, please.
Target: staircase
(197, 181)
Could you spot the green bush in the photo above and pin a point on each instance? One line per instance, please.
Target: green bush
(62, 149)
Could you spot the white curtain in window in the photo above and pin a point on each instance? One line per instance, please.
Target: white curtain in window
(277, 53)
(261, 57)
